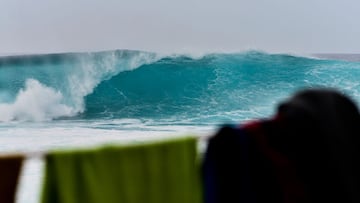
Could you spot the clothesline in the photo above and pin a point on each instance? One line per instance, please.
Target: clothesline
(39, 154)
(28, 153)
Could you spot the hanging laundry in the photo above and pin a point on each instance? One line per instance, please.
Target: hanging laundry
(159, 172)
(10, 168)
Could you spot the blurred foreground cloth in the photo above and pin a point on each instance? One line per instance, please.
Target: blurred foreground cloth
(159, 172)
(10, 168)
(308, 152)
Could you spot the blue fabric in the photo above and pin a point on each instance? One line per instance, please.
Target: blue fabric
(226, 169)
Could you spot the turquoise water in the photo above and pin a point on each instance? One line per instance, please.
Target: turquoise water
(127, 84)
(84, 99)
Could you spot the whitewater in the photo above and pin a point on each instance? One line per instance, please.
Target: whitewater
(66, 100)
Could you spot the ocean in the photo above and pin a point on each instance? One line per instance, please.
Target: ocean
(67, 100)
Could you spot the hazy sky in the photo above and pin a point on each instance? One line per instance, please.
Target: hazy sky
(296, 26)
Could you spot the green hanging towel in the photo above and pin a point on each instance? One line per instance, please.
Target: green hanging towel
(158, 172)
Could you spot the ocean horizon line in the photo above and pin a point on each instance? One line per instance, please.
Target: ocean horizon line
(204, 52)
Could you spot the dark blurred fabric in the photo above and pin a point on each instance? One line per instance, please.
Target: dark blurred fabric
(320, 131)
(307, 152)
(10, 167)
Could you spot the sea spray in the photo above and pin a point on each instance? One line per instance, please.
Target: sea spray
(36, 102)
(92, 69)
(55, 85)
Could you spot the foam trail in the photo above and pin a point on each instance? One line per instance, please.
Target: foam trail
(36, 102)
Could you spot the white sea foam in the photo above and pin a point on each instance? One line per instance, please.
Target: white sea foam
(36, 102)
